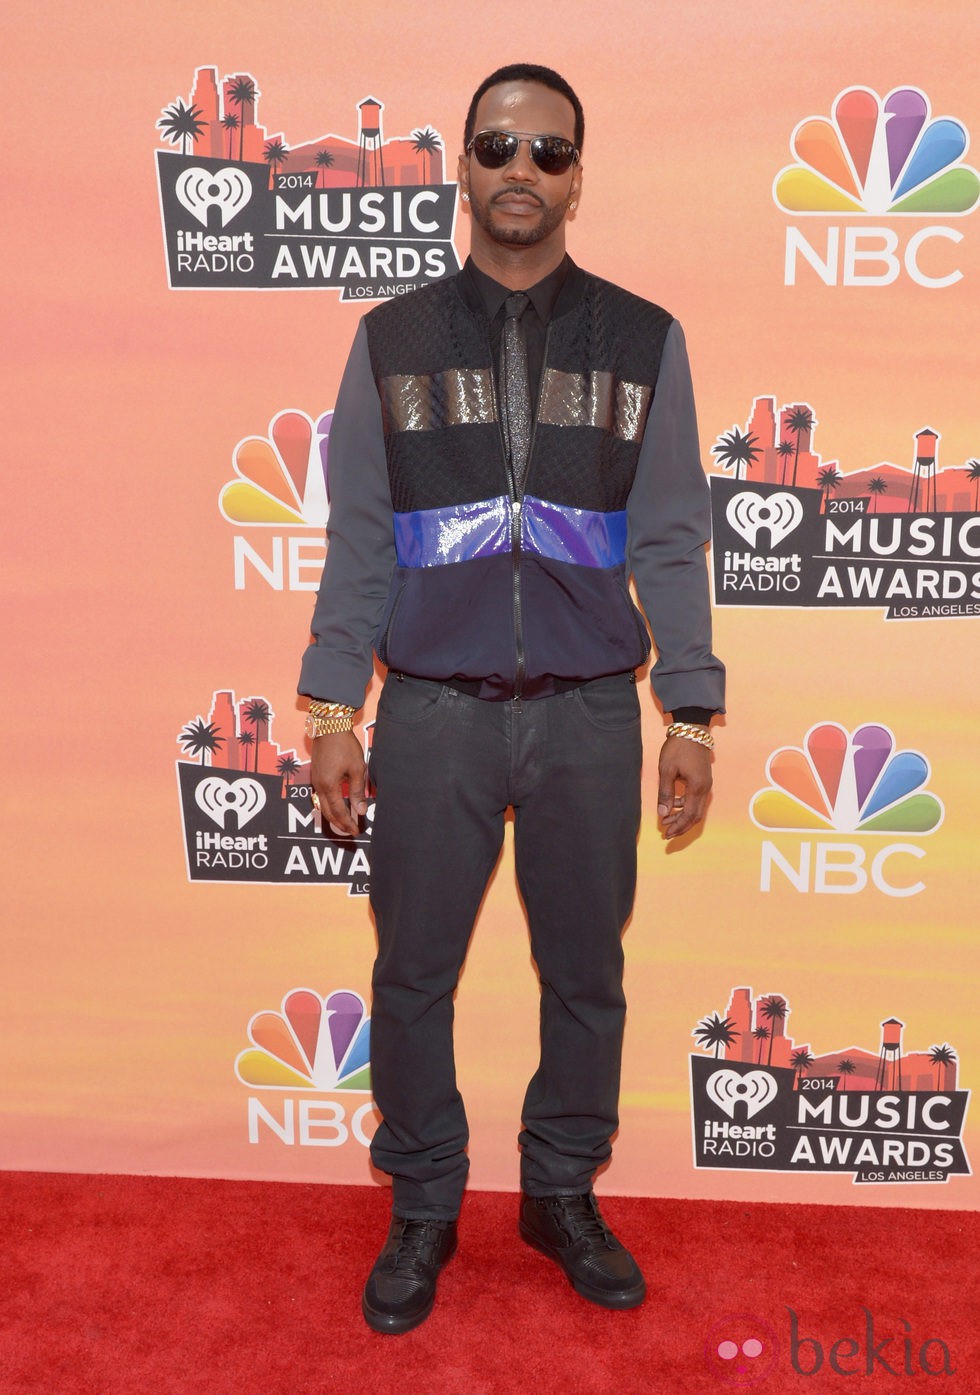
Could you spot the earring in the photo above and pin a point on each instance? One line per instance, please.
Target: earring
(465, 198)
(573, 204)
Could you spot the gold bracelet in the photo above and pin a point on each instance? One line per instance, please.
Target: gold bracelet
(692, 732)
(329, 718)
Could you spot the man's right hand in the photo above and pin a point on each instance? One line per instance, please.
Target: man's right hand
(338, 757)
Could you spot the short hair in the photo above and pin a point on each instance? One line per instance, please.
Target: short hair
(526, 72)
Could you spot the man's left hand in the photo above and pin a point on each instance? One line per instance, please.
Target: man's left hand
(685, 783)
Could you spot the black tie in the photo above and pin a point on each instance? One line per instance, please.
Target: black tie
(515, 391)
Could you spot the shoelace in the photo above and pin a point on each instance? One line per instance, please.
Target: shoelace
(579, 1217)
(417, 1245)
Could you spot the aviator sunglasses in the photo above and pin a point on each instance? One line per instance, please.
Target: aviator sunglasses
(551, 154)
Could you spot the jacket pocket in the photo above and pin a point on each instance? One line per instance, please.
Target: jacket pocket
(611, 704)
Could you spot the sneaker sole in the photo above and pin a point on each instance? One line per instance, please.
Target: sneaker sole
(623, 1298)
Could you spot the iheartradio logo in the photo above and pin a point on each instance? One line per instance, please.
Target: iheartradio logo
(747, 512)
(755, 1089)
(228, 190)
(217, 798)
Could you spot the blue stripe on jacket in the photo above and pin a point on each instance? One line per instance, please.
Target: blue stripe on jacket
(464, 532)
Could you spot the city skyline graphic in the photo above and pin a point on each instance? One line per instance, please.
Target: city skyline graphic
(236, 737)
(753, 1031)
(777, 447)
(219, 121)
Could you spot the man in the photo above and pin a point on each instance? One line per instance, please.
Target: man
(500, 463)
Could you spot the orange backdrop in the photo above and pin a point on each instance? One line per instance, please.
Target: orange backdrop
(128, 988)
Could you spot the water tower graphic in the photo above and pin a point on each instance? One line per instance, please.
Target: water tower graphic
(370, 158)
(889, 1073)
(922, 496)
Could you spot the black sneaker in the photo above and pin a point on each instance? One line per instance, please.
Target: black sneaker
(570, 1230)
(401, 1287)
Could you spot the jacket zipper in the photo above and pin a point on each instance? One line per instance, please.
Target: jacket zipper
(516, 496)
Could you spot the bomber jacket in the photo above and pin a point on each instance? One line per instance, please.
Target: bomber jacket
(452, 574)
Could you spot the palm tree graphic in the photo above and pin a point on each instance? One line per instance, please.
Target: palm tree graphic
(200, 738)
(717, 1032)
(784, 449)
(323, 161)
(257, 712)
(245, 740)
(942, 1056)
(242, 91)
(773, 1010)
(275, 154)
(231, 123)
(829, 478)
(877, 484)
(972, 468)
(845, 1067)
(799, 421)
(761, 1034)
(287, 765)
(800, 1061)
(180, 123)
(736, 448)
(426, 143)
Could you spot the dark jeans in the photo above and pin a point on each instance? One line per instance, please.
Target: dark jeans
(446, 767)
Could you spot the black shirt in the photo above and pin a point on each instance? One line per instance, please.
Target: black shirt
(543, 296)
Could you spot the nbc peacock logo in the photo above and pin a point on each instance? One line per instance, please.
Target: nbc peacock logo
(849, 783)
(312, 1043)
(879, 156)
(836, 785)
(876, 158)
(280, 486)
(280, 478)
(310, 1063)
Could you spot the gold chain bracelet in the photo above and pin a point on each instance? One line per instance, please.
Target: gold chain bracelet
(692, 732)
(329, 718)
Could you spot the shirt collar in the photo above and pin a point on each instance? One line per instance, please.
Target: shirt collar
(490, 294)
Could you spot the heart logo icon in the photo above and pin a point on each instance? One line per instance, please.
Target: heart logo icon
(199, 190)
(216, 797)
(755, 1089)
(747, 512)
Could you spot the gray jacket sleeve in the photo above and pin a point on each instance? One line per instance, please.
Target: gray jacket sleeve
(337, 666)
(669, 522)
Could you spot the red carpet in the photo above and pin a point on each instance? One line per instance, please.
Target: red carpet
(119, 1285)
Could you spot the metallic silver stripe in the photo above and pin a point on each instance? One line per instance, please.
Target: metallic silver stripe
(594, 399)
(428, 401)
